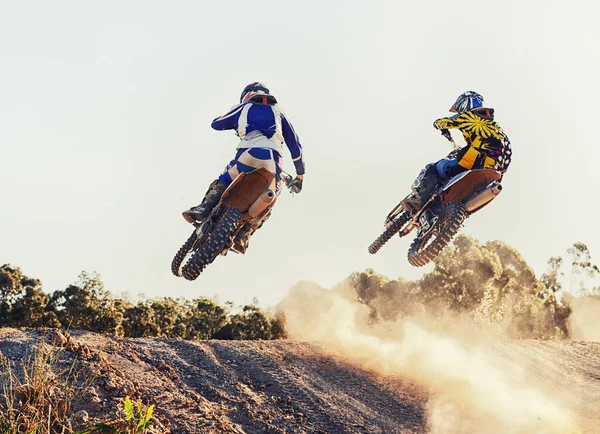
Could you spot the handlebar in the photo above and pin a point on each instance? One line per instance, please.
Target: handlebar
(287, 180)
(447, 135)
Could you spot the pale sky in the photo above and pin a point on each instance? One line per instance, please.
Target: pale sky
(105, 138)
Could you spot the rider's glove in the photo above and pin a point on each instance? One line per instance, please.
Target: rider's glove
(296, 185)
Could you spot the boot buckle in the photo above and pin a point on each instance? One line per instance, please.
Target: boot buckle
(427, 222)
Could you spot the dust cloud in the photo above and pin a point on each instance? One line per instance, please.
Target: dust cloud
(472, 390)
(584, 321)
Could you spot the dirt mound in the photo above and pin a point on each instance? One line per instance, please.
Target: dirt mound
(232, 386)
(278, 386)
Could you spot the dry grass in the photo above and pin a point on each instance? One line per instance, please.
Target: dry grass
(37, 393)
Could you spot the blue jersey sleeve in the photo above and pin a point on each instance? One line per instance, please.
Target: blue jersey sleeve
(229, 121)
(293, 143)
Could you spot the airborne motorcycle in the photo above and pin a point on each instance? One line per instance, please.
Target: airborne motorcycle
(442, 216)
(243, 208)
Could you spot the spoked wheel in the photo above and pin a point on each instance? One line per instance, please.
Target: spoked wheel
(182, 253)
(217, 242)
(424, 250)
(390, 231)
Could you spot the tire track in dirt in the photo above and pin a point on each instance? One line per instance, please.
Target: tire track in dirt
(290, 386)
(295, 381)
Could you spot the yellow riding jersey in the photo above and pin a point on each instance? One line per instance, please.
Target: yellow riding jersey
(487, 144)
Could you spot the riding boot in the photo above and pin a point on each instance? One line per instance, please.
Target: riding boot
(243, 238)
(211, 199)
(422, 192)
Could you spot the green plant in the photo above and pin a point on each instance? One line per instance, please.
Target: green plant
(128, 421)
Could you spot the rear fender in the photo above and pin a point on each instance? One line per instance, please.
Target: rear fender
(247, 189)
(205, 227)
(460, 188)
(465, 184)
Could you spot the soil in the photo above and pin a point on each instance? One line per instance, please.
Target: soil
(273, 386)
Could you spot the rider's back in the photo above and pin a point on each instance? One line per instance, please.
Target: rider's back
(487, 144)
(258, 123)
(265, 119)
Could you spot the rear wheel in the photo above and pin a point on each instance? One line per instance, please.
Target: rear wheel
(424, 250)
(217, 242)
(390, 231)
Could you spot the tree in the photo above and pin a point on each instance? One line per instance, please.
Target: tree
(87, 305)
(387, 299)
(462, 273)
(139, 321)
(23, 303)
(251, 323)
(204, 319)
(550, 279)
(490, 283)
(171, 316)
(582, 267)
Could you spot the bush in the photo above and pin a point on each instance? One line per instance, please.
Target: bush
(490, 283)
(87, 305)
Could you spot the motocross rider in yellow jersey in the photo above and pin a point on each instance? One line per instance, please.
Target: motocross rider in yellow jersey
(487, 147)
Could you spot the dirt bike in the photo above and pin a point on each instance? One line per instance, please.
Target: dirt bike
(442, 216)
(243, 208)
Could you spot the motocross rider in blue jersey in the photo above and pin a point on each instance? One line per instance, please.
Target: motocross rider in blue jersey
(263, 128)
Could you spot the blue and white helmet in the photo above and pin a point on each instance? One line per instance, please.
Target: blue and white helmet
(466, 102)
(254, 88)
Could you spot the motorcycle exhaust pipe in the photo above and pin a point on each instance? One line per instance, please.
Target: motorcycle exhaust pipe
(483, 197)
(262, 203)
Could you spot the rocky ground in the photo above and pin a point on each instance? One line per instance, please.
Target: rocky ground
(270, 386)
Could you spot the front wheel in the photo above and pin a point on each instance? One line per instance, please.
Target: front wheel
(390, 231)
(182, 253)
(424, 250)
(217, 242)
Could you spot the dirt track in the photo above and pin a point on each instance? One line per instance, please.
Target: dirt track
(285, 386)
